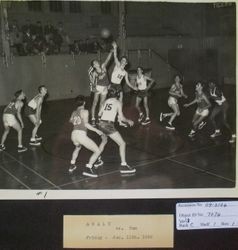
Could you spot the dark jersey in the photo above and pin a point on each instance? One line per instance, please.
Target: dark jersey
(11, 108)
(78, 121)
(102, 78)
(201, 100)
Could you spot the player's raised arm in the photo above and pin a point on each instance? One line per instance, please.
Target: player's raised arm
(114, 45)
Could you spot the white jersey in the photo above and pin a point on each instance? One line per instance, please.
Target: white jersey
(117, 75)
(110, 109)
(141, 82)
(33, 102)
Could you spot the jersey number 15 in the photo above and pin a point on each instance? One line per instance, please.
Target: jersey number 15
(108, 106)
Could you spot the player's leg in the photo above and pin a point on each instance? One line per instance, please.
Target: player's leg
(99, 161)
(164, 115)
(36, 124)
(92, 146)
(147, 111)
(5, 133)
(125, 168)
(93, 109)
(176, 112)
(137, 106)
(215, 112)
(18, 128)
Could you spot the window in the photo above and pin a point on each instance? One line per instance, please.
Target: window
(106, 7)
(34, 6)
(56, 6)
(74, 6)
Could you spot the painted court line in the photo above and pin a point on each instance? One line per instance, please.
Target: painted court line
(201, 170)
(25, 166)
(144, 164)
(14, 177)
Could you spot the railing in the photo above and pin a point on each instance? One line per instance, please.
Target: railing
(153, 63)
(150, 53)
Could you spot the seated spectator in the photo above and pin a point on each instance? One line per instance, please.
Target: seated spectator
(58, 40)
(74, 48)
(48, 31)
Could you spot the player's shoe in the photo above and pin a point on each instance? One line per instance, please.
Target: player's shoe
(217, 133)
(146, 121)
(161, 117)
(72, 168)
(98, 163)
(141, 116)
(170, 126)
(38, 138)
(2, 148)
(201, 125)
(21, 149)
(126, 169)
(89, 171)
(192, 133)
(233, 139)
(34, 142)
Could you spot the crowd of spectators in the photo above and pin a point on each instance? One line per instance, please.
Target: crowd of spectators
(35, 39)
(32, 39)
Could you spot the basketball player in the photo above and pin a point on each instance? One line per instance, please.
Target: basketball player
(220, 108)
(79, 119)
(175, 92)
(33, 111)
(12, 119)
(119, 73)
(100, 77)
(142, 95)
(111, 108)
(202, 110)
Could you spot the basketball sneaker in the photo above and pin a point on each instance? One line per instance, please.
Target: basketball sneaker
(21, 149)
(170, 126)
(89, 171)
(233, 139)
(34, 142)
(38, 138)
(146, 121)
(72, 168)
(98, 163)
(2, 148)
(217, 133)
(192, 133)
(161, 117)
(141, 116)
(201, 125)
(126, 169)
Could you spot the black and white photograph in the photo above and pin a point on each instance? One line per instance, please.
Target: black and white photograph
(118, 96)
(118, 125)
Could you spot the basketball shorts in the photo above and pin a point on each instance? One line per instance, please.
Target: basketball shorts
(29, 111)
(101, 89)
(172, 101)
(203, 113)
(107, 127)
(9, 120)
(142, 93)
(117, 87)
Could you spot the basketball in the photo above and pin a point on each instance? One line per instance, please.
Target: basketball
(105, 33)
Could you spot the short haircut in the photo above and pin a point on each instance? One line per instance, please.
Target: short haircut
(113, 93)
(18, 93)
(80, 100)
(124, 57)
(41, 87)
(139, 67)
